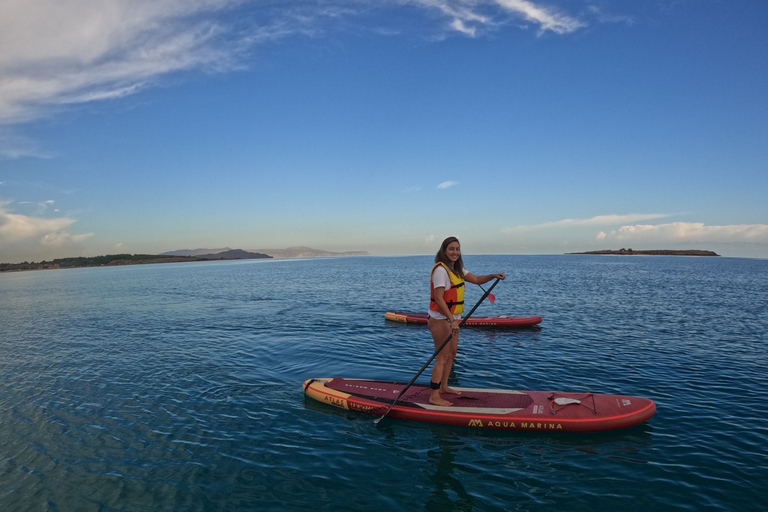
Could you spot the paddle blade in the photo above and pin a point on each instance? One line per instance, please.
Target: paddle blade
(492, 298)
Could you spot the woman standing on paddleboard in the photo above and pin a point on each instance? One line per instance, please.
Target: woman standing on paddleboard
(445, 307)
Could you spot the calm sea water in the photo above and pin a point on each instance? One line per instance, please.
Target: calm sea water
(177, 387)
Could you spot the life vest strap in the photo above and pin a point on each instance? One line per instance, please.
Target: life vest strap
(451, 303)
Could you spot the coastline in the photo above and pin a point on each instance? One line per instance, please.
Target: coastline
(56, 265)
(174, 257)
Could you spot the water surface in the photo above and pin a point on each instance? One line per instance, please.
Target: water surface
(178, 386)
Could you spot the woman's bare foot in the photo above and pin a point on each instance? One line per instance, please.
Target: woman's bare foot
(449, 391)
(435, 399)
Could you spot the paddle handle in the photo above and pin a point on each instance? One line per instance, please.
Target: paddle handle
(437, 351)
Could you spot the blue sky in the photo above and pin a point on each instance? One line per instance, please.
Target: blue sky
(522, 127)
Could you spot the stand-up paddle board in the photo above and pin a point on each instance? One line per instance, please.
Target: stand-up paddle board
(498, 409)
(499, 322)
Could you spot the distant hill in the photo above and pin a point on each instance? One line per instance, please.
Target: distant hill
(194, 252)
(290, 252)
(307, 252)
(232, 254)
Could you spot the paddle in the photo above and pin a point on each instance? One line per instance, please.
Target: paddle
(376, 421)
(491, 297)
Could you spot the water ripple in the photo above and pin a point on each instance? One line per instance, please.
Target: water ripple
(178, 387)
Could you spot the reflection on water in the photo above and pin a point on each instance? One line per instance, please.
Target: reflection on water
(448, 493)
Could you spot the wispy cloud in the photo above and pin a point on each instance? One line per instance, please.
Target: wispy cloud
(447, 184)
(546, 18)
(40, 207)
(64, 52)
(599, 220)
(471, 16)
(58, 52)
(605, 17)
(63, 238)
(13, 146)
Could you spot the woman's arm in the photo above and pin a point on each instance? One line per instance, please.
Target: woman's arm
(472, 278)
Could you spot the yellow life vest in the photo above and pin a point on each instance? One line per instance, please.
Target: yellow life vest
(453, 296)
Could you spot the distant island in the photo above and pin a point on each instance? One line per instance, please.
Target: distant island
(652, 252)
(290, 252)
(183, 255)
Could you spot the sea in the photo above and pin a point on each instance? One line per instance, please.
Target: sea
(178, 387)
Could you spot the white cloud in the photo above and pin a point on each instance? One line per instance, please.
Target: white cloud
(459, 26)
(546, 18)
(447, 184)
(63, 52)
(676, 232)
(599, 220)
(467, 15)
(15, 227)
(631, 229)
(72, 51)
(429, 240)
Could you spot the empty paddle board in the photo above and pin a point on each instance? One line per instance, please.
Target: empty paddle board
(499, 322)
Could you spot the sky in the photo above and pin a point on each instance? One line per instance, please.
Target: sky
(520, 126)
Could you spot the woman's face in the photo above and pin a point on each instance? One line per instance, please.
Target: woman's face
(453, 251)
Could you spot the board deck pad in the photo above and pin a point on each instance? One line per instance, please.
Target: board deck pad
(486, 408)
(419, 395)
(499, 322)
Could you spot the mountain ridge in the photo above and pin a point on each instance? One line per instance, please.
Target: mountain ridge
(232, 254)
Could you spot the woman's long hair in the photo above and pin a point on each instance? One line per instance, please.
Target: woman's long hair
(442, 257)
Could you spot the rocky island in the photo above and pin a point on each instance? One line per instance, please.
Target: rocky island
(662, 252)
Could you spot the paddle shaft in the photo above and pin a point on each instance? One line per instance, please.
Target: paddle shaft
(437, 351)
(490, 295)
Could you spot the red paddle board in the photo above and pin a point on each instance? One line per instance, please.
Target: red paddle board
(497, 409)
(500, 322)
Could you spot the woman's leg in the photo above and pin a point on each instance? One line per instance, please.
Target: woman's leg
(440, 330)
(450, 351)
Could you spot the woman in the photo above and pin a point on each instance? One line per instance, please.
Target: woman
(445, 308)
